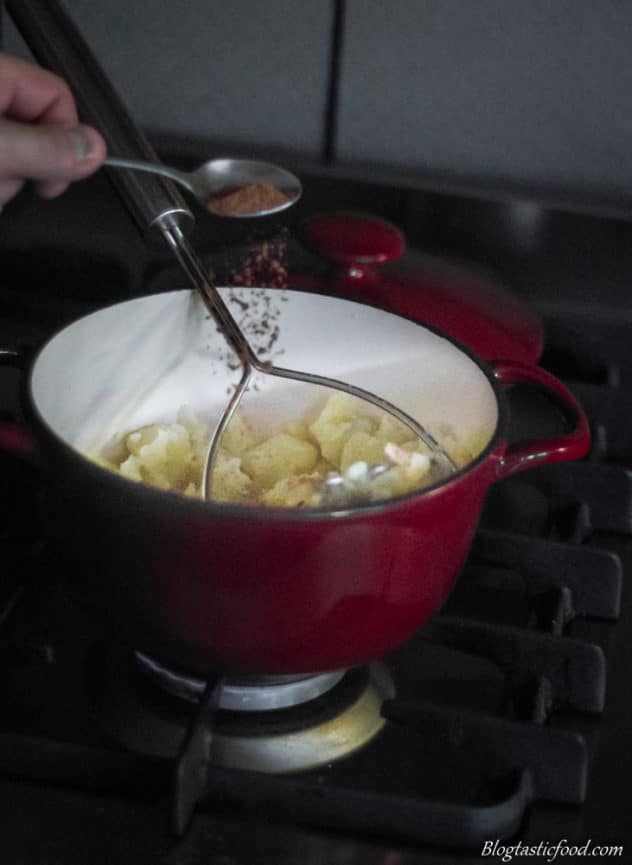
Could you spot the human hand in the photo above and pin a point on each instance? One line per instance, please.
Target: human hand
(41, 138)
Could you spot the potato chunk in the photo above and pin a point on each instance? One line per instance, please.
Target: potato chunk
(336, 423)
(159, 455)
(238, 436)
(361, 446)
(281, 456)
(390, 429)
(229, 482)
(295, 492)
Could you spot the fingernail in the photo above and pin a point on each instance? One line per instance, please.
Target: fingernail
(81, 143)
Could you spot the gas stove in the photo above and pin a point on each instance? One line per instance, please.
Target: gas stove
(503, 719)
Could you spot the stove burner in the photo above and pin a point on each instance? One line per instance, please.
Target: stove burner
(256, 694)
(137, 710)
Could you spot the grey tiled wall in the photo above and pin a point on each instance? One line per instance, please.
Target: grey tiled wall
(527, 91)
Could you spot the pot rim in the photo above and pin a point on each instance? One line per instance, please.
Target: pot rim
(265, 512)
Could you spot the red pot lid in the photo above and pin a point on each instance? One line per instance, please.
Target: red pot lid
(476, 311)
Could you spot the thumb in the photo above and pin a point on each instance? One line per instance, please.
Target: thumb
(47, 152)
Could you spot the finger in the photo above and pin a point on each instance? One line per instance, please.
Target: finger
(45, 153)
(51, 188)
(28, 92)
(9, 189)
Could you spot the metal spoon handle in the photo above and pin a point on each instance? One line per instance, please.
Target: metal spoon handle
(58, 45)
(182, 177)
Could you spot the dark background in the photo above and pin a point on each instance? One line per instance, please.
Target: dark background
(525, 96)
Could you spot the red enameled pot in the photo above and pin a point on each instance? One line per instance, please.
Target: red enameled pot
(203, 586)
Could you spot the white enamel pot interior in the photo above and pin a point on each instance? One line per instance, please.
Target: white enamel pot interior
(142, 361)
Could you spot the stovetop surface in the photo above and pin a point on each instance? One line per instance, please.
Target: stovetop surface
(574, 270)
(444, 669)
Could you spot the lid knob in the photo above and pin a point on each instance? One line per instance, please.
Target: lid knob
(355, 242)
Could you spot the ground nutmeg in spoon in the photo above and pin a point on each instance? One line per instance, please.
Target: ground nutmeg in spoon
(249, 198)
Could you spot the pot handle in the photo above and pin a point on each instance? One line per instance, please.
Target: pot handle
(569, 446)
(15, 438)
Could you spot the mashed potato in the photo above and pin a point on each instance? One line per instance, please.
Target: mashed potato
(289, 468)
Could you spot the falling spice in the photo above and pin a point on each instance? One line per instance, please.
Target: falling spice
(257, 311)
(249, 198)
(265, 266)
(258, 320)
